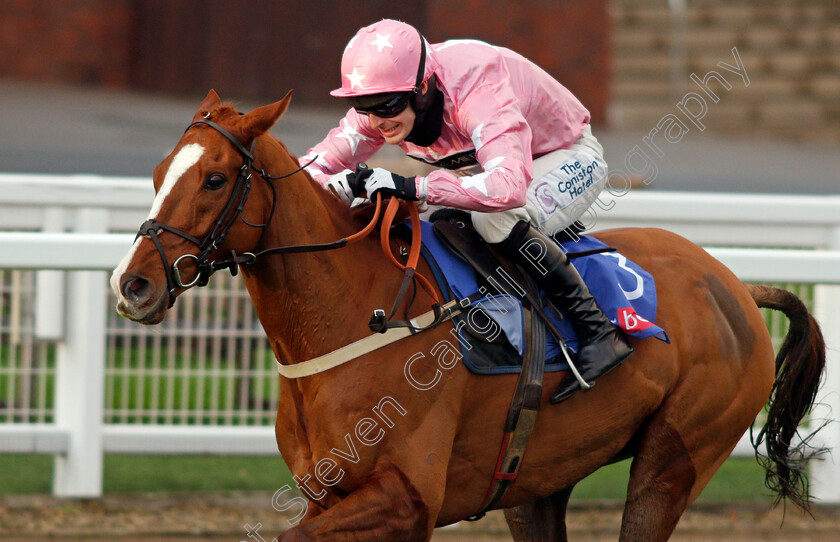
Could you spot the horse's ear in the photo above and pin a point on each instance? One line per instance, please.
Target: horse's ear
(261, 119)
(212, 100)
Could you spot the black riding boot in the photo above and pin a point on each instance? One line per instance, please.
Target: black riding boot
(602, 347)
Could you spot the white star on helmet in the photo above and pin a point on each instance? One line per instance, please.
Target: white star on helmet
(381, 42)
(355, 78)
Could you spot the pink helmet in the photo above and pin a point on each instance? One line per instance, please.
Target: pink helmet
(387, 56)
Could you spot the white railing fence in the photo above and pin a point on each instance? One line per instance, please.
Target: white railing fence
(76, 381)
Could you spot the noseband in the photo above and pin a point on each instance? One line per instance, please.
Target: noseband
(214, 239)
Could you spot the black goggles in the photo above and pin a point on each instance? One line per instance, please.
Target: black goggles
(391, 108)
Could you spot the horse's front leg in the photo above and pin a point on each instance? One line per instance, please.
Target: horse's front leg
(387, 507)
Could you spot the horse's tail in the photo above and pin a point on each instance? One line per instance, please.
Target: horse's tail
(799, 368)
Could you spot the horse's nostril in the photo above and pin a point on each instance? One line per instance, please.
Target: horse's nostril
(136, 289)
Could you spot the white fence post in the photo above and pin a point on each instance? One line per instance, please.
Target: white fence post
(80, 375)
(49, 288)
(825, 473)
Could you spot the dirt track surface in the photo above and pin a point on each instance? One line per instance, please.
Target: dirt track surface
(217, 517)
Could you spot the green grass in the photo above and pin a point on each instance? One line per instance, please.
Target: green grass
(25, 474)
(32, 474)
(131, 473)
(737, 480)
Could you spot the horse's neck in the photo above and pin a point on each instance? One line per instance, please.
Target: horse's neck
(309, 303)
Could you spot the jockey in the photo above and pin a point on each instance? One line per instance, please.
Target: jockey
(514, 147)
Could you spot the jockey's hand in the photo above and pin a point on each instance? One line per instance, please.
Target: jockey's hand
(390, 184)
(342, 185)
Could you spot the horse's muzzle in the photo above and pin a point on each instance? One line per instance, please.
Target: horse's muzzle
(137, 301)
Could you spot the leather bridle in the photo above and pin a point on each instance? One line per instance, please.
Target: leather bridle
(214, 239)
(233, 211)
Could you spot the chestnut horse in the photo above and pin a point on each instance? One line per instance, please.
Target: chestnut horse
(383, 458)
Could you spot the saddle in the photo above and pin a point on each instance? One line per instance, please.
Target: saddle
(497, 276)
(500, 295)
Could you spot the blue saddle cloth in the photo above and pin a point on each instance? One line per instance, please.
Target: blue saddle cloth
(624, 291)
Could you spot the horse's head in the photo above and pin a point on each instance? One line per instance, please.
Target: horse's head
(201, 213)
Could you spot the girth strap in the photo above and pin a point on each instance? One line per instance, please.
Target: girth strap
(522, 415)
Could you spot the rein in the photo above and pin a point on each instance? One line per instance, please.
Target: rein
(233, 210)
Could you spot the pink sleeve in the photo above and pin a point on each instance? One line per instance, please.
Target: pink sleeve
(502, 139)
(351, 142)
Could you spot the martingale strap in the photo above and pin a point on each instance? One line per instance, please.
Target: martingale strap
(379, 322)
(373, 342)
(387, 331)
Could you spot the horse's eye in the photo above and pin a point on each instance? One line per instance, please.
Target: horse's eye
(215, 181)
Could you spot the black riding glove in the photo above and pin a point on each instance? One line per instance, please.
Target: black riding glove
(388, 184)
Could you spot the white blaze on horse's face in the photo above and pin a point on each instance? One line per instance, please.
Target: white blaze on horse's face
(187, 157)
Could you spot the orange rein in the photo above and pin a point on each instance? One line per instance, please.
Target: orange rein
(385, 239)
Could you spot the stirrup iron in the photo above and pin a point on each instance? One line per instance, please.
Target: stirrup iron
(584, 385)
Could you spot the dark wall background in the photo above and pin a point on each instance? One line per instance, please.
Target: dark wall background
(85, 41)
(254, 49)
(260, 49)
(570, 39)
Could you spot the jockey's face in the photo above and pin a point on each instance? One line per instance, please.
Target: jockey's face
(394, 129)
(397, 128)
